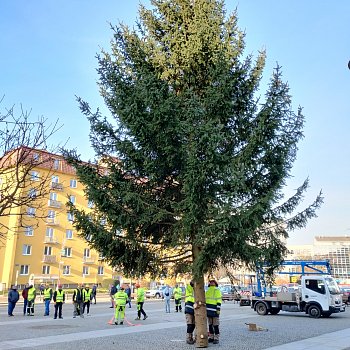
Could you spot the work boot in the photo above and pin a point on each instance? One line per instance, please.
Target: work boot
(145, 317)
(121, 322)
(189, 338)
(211, 339)
(216, 339)
(137, 318)
(116, 323)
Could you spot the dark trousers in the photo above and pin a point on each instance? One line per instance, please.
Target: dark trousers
(87, 305)
(140, 309)
(30, 307)
(58, 307)
(11, 307)
(25, 303)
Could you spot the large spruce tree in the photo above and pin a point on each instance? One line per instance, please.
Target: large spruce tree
(194, 160)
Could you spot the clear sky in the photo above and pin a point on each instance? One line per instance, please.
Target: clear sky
(48, 56)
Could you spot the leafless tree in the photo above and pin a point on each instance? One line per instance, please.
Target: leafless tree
(24, 150)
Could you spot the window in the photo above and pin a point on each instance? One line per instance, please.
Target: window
(53, 196)
(51, 214)
(46, 270)
(91, 204)
(72, 199)
(34, 176)
(70, 216)
(36, 157)
(26, 249)
(55, 179)
(88, 237)
(100, 270)
(67, 252)
(49, 232)
(316, 286)
(85, 270)
(29, 231)
(31, 211)
(69, 234)
(66, 270)
(73, 183)
(56, 164)
(24, 270)
(47, 250)
(32, 193)
(86, 253)
(103, 221)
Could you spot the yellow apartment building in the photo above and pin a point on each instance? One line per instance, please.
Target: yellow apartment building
(47, 248)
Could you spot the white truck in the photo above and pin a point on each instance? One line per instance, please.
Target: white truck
(317, 295)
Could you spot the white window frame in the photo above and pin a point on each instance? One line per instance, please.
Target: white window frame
(66, 270)
(67, 252)
(53, 196)
(29, 231)
(55, 179)
(90, 204)
(87, 252)
(27, 249)
(69, 234)
(46, 269)
(51, 214)
(49, 232)
(73, 183)
(31, 211)
(56, 164)
(47, 250)
(70, 216)
(72, 199)
(101, 270)
(24, 270)
(34, 175)
(32, 193)
(86, 270)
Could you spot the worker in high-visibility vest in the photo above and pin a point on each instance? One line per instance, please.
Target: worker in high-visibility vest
(59, 297)
(87, 296)
(120, 299)
(140, 299)
(31, 300)
(189, 312)
(213, 300)
(47, 298)
(177, 292)
(78, 302)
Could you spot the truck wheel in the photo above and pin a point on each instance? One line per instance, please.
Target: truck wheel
(157, 295)
(261, 309)
(314, 311)
(274, 311)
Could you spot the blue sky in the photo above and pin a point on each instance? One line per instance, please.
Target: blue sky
(48, 56)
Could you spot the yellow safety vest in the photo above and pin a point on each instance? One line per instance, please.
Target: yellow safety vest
(47, 293)
(31, 294)
(59, 296)
(120, 298)
(87, 295)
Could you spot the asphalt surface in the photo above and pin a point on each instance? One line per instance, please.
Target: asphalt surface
(168, 331)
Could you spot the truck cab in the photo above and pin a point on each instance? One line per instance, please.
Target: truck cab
(317, 295)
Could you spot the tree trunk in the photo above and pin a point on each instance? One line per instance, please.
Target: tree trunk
(200, 311)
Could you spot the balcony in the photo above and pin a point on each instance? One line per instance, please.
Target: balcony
(88, 259)
(54, 203)
(52, 240)
(49, 259)
(52, 222)
(56, 186)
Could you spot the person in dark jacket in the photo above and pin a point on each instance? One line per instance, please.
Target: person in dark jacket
(25, 298)
(78, 301)
(93, 293)
(13, 297)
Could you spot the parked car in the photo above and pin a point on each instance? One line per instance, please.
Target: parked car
(154, 293)
(346, 295)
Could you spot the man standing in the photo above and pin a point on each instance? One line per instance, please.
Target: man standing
(47, 299)
(25, 298)
(167, 296)
(213, 300)
(87, 299)
(59, 298)
(177, 296)
(113, 290)
(140, 299)
(78, 301)
(128, 293)
(31, 300)
(120, 299)
(12, 299)
(189, 312)
(94, 292)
